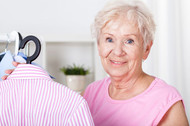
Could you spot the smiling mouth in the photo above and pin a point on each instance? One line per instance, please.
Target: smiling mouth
(117, 62)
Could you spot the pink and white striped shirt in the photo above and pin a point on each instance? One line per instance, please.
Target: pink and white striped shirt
(30, 97)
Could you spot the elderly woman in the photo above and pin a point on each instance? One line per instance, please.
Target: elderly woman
(129, 96)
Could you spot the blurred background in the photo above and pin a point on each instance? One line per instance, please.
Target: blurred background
(63, 26)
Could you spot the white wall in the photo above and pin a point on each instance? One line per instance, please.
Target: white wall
(55, 20)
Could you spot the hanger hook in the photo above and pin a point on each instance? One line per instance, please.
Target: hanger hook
(38, 47)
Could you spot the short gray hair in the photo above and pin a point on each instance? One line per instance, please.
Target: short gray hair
(134, 11)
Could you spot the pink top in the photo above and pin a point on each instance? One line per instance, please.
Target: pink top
(145, 109)
(29, 97)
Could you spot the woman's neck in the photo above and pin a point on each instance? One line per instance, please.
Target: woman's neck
(126, 81)
(126, 88)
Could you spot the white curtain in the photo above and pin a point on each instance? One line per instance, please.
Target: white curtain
(170, 55)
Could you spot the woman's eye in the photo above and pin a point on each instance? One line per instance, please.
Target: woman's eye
(109, 39)
(129, 41)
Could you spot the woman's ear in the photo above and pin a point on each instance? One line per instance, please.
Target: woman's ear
(147, 50)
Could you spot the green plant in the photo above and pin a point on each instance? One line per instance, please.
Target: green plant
(74, 70)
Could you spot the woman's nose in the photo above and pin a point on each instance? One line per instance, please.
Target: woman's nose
(118, 49)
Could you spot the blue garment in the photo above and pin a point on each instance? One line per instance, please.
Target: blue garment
(5, 63)
(20, 57)
(6, 60)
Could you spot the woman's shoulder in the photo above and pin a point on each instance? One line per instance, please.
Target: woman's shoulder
(163, 86)
(164, 92)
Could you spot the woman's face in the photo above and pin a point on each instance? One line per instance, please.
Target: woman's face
(120, 47)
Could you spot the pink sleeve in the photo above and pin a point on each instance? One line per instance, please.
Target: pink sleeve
(174, 99)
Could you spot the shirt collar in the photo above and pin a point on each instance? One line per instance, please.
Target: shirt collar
(28, 71)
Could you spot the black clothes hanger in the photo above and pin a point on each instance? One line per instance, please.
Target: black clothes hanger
(20, 38)
(38, 47)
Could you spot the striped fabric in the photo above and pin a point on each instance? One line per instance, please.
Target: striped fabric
(30, 98)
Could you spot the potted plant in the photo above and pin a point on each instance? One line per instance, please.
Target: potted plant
(75, 76)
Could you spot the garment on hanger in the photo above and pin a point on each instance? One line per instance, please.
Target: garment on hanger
(6, 59)
(30, 97)
(5, 63)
